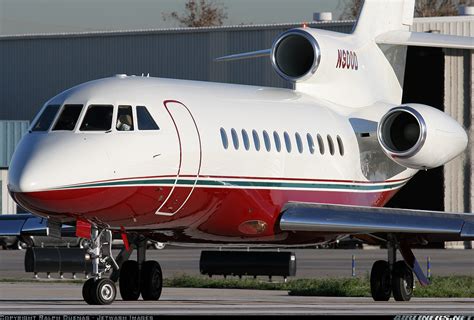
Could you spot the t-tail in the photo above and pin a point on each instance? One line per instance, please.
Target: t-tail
(357, 69)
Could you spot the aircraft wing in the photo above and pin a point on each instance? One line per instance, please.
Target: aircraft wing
(354, 220)
(424, 39)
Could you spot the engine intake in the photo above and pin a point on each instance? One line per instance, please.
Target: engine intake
(296, 55)
(420, 137)
(403, 131)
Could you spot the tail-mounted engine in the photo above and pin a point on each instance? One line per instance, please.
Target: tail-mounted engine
(420, 137)
(296, 55)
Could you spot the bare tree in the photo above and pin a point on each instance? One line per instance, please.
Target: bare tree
(351, 9)
(430, 8)
(199, 13)
(423, 8)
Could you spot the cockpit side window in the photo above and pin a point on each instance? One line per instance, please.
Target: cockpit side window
(145, 120)
(68, 118)
(124, 119)
(46, 118)
(98, 118)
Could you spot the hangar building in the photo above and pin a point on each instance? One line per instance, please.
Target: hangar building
(36, 67)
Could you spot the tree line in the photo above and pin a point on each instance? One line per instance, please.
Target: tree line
(209, 13)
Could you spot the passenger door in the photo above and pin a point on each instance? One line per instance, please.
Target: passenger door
(189, 160)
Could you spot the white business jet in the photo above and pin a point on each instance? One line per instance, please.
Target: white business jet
(196, 162)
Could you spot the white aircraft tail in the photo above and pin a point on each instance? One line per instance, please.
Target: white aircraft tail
(358, 69)
(378, 17)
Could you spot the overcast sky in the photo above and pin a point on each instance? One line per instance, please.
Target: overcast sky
(51, 16)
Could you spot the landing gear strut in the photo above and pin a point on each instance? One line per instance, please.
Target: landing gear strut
(135, 277)
(391, 277)
(98, 290)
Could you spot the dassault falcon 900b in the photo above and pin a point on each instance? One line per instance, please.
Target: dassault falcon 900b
(196, 162)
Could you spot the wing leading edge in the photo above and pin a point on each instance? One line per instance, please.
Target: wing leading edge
(341, 219)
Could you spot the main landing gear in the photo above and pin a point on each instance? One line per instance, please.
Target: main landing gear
(391, 277)
(141, 277)
(135, 277)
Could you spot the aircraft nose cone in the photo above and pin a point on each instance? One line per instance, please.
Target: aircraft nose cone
(23, 173)
(21, 180)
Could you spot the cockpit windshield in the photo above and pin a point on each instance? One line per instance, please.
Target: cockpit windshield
(68, 117)
(98, 118)
(46, 118)
(145, 120)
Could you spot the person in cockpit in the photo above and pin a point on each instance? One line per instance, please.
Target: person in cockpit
(124, 123)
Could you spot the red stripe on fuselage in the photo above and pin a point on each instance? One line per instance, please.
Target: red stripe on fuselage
(209, 211)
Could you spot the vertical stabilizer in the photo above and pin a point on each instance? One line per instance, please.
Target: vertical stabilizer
(380, 16)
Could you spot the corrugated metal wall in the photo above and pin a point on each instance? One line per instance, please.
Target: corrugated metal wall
(36, 68)
(10, 133)
(458, 104)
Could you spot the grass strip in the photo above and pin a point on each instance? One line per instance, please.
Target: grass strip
(441, 286)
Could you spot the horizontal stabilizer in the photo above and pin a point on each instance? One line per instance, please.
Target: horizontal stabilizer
(362, 220)
(245, 55)
(423, 39)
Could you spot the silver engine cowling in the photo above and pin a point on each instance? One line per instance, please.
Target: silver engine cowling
(296, 55)
(420, 137)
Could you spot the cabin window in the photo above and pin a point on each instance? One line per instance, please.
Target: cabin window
(310, 143)
(256, 140)
(287, 142)
(340, 145)
(124, 119)
(331, 145)
(321, 144)
(225, 141)
(245, 138)
(46, 118)
(276, 137)
(299, 142)
(145, 120)
(68, 118)
(235, 139)
(98, 118)
(266, 139)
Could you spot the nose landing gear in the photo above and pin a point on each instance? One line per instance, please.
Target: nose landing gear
(135, 277)
(98, 290)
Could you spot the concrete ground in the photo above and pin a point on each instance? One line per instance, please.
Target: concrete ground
(53, 298)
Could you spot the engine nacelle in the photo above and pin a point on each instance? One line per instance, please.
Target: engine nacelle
(307, 55)
(420, 137)
(296, 55)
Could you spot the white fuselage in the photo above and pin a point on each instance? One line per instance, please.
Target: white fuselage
(211, 138)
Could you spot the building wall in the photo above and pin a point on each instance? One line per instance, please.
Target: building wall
(7, 205)
(10, 134)
(458, 103)
(35, 68)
